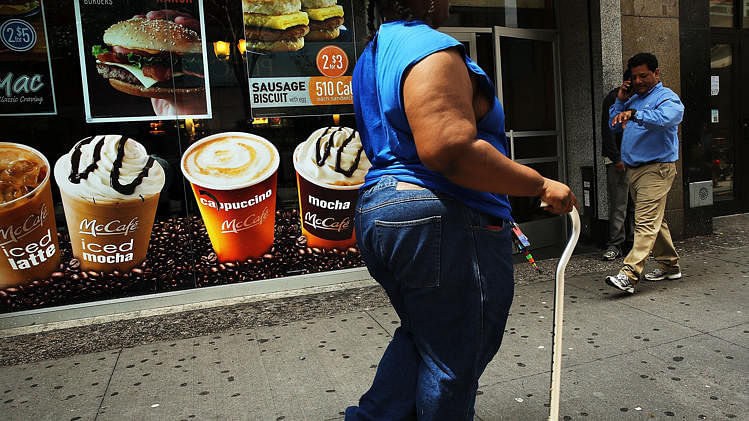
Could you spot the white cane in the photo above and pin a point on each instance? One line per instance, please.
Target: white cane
(556, 351)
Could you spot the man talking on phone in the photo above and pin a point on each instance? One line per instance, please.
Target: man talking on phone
(649, 114)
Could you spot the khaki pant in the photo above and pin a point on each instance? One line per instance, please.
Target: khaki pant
(649, 186)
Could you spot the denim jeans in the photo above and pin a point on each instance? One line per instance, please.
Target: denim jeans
(447, 270)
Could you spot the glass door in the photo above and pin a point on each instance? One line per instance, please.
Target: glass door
(722, 120)
(728, 119)
(524, 66)
(527, 63)
(479, 44)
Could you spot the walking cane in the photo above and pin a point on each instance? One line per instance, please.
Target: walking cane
(556, 351)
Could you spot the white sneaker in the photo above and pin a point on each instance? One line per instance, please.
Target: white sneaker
(621, 282)
(660, 274)
(611, 254)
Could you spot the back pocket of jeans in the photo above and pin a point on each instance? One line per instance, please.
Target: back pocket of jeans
(411, 250)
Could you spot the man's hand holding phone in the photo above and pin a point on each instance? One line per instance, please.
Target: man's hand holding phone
(625, 91)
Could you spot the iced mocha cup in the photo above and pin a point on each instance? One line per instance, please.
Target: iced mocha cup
(330, 167)
(29, 249)
(233, 177)
(110, 188)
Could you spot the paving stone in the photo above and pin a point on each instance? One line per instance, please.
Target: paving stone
(738, 335)
(632, 386)
(595, 327)
(302, 370)
(66, 389)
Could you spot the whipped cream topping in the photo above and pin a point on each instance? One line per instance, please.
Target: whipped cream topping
(109, 168)
(333, 156)
(230, 160)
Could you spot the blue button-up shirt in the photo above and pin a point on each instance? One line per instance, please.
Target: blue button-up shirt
(651, 135)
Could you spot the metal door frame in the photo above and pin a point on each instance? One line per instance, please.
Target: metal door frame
(549, 232)
(551, 36)
(543, 231)
(466, 34)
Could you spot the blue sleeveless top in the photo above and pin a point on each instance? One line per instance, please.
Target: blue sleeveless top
(381, 117)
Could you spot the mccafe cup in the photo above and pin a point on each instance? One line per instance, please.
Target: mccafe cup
(110, 188)
(330, 167)
(233, 177)
(28, 235)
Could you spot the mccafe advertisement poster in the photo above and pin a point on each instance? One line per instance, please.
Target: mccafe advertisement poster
(300, 62)
(102, 235)
(26, 85)
(143, 59)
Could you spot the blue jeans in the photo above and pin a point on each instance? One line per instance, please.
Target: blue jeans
(447, 270)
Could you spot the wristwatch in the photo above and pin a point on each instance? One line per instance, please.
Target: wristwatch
(632, 111)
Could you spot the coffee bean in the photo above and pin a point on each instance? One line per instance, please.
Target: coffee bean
(12, 290)
(170, 265)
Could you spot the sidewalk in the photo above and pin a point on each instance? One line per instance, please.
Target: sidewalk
(675, 350)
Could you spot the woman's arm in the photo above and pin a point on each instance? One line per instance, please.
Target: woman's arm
(438, 99)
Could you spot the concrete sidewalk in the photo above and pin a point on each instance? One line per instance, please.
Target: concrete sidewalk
(676, 349)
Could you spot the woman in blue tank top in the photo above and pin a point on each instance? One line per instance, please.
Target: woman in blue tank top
(431, 220)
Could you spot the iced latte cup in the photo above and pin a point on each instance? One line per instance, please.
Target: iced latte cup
(233, 177)
(330, 167)
(110, 188)
(29, 249)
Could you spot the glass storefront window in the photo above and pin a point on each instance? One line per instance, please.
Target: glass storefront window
(721, 124)
(93, 250)
(528, 75)
(535, 14)
(721, 13)
(138, 121)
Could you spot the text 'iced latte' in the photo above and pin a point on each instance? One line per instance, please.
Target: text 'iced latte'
(330, 166)
(110, 189)
(233, 177)
(28, 235)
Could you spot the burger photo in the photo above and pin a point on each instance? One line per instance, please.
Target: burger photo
(325, 19)
(274, 25)
(152, 58)
(17, 7)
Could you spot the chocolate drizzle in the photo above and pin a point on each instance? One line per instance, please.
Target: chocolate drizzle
(320, 158)
(114, 176)
(75, 177)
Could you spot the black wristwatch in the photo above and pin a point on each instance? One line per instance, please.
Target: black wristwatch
(632, 111)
